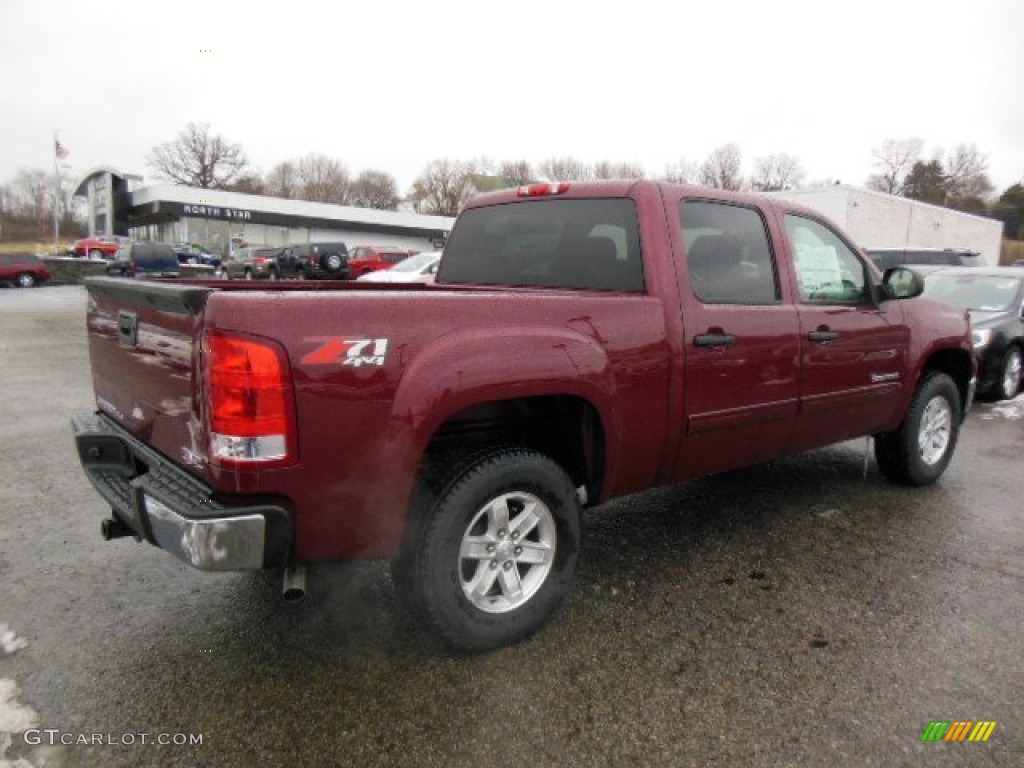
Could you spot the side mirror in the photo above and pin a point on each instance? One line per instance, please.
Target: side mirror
(902, 283)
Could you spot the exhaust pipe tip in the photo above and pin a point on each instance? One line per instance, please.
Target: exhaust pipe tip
(112, 528)
(293, 586)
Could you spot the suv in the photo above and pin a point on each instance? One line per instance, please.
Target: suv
(145, 260)
(370, 258)
(884, 258)
(315, 260)
(22, 269)
(253, 263)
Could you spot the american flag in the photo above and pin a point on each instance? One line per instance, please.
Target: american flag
(60, 149)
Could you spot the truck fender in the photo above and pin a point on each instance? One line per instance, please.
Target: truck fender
(478, 365)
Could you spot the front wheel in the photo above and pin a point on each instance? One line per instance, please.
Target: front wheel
(920, 450)
(1009, 377)
(495, 553)
(95, 253)
(26, 280)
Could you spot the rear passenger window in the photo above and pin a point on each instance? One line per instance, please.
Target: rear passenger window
(580, 244)
(728, 255)
(828, 271)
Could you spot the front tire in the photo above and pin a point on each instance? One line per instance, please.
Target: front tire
(95, 253)
(26, 280)
(1009, 375)
(495, 553)
(920, 450)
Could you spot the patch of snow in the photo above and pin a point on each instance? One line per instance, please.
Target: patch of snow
(1010, 409)
(9, 642)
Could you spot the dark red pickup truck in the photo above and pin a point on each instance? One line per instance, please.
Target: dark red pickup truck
(582, 341)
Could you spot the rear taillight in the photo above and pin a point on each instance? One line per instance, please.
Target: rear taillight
(249, 395)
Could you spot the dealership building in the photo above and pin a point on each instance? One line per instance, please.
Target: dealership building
(119, 204)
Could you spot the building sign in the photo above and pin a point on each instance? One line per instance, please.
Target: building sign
(216, 212)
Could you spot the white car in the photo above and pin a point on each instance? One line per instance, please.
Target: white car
(419, 268)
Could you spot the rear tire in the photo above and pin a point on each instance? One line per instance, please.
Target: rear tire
(495, 552)
(920, 450)
(1009, 375)
(95, 253)
(26, 280)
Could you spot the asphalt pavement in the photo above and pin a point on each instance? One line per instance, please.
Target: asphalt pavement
(800, 613)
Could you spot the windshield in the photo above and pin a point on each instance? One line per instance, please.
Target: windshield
(982, 293)
(415, 263)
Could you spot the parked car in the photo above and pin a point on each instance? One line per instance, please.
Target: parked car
(252, 263)
(415, 269)
(190, 253)
(898, 257)
(102, 247)
(995, 298)
(329, 261)
(369, 258)
(145, 260)
(22, 269)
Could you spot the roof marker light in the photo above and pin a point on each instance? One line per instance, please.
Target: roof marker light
(542, 190)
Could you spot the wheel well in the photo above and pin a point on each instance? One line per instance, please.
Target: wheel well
(566, 428)
(957, 364)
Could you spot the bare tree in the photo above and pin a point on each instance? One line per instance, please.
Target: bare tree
(893, 161)
(322, 179)
(682, 172)
(609, 170)
(283, 180)
(721, 169)
(34, 195)
(775, 172)
(374, 189)
(443, 187)
(199, 158)
(965, 169)
(565, 169)
(249, 184)
(517, 172)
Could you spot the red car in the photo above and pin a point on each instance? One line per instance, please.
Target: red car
(22, 269)
(102, 247)
(370, 258)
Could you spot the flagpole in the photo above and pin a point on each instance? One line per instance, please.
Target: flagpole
(56, 196)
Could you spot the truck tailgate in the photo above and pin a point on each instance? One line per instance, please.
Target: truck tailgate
(142, 343)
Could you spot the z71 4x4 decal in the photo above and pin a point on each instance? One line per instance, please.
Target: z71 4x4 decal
(340, 350)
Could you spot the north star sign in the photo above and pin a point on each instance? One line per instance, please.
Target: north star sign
(215, 212)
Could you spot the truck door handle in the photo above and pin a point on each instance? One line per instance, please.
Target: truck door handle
(714, 339)
(822, 336)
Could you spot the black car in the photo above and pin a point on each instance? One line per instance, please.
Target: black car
(145, 260)
(884, 258)
(327, 261)
(995, 298)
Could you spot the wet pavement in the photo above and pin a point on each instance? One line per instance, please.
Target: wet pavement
(804, 612)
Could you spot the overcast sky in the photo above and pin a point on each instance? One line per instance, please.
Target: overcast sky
(394, 85)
